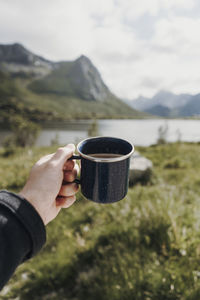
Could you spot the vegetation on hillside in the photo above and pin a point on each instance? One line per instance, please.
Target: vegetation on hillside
(57, 82)
(145, 247)
(53, 99)
(13, 104)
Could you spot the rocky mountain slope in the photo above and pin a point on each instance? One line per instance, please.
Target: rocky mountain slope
(16, 59)
(67, 89)
(79, 78)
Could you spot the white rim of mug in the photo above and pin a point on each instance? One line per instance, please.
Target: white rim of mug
(106, 160)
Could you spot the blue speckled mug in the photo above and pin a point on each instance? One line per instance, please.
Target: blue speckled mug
(104, 168)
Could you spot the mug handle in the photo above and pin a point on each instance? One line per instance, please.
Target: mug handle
(75, 157)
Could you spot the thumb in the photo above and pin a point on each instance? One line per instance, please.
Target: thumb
(63, 153)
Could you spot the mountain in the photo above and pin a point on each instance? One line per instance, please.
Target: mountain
(17, 60)
(158, 110)
(164, 98)
(167, 104)
(13, 105)
(79, 78)
(141, 103)
(170, 100)
(61, 90)
(16, 53)
(192, 108)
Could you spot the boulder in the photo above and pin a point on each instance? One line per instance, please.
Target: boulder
(140, 169)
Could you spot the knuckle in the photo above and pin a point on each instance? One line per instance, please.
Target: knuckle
(71, 177)
(52, 164)
(60, 149)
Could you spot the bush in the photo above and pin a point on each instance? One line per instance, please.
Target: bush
(93, 129)
(9, 146)
(24, 133)
(162, 134)
(174, 163)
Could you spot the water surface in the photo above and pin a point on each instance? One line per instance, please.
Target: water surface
(138, 132)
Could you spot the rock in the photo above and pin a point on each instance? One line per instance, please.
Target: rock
(140, 169)
(16, 59)
(87, 81)
(16, 53)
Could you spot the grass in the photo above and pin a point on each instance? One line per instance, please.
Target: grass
(145, 247)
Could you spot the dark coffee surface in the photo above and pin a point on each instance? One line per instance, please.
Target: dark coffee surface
(104, 155)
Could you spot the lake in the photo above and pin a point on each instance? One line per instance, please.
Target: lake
(138, 132)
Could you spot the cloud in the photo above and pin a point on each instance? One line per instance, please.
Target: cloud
(58, 29)
(150, 83)
(138, 46)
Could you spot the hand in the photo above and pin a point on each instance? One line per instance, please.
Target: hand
(50, 184)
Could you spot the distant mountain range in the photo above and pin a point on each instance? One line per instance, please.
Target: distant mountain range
(166, 104)
(56, 90)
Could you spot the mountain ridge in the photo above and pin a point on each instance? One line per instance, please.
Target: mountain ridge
(168, 104)
(66, 89)
(17, 53)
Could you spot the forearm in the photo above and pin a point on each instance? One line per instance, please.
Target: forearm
(22, 233)
(22, 230)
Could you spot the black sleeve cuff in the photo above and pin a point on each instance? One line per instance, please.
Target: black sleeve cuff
(28, 217)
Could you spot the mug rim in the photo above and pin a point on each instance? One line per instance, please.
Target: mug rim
(105, 160)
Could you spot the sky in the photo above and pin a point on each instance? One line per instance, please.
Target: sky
(139, 47)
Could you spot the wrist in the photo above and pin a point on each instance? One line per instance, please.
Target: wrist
(31, 199)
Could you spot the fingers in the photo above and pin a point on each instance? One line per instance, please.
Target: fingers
(69, 165)
(63, 153)
(70, 176)
(69, 189)
(66, 195)
(65, 202)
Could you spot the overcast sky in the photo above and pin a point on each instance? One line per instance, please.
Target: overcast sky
(139, 46)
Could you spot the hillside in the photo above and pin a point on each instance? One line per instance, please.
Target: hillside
(13, 104)
(61, 90)
(78, 78)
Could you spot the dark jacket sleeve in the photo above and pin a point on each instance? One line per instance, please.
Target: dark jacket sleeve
(22, 233)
